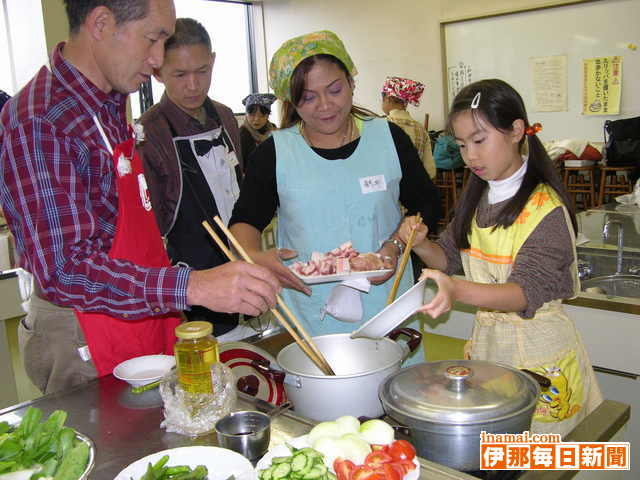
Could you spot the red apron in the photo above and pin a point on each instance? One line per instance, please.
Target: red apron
(137, 239)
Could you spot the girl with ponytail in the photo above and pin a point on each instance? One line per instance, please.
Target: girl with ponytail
(513, 236)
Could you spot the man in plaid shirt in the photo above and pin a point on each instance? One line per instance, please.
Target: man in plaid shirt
(58, 192)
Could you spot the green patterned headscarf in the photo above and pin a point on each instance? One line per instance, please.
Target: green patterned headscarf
(295, 50)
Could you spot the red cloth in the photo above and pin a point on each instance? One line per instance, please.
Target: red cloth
(137, 239)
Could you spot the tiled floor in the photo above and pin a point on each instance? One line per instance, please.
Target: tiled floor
(26, 390)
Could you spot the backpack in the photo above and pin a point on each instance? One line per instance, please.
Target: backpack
(622, 142)
(446, 153)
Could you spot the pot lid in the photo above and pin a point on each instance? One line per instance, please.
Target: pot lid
(457, 392)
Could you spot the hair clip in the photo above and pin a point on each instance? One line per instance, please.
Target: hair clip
(476, 101)
(533, 129)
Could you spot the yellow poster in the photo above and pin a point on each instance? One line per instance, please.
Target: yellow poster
(602, 84)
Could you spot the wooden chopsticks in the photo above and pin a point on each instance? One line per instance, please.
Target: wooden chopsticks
(403, 261)
(307, 345)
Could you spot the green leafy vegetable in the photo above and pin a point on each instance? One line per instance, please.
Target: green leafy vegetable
(42, 449)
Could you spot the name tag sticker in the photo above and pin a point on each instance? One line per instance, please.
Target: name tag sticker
(375, 183)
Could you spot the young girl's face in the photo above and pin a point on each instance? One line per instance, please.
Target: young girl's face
(489, 153)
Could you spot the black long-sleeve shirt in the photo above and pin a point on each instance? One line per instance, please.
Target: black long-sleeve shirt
(259, 194)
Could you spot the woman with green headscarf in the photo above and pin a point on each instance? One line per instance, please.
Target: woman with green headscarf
(334, 172)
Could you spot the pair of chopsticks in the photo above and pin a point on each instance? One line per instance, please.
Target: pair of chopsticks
(307, 345)
(403, 261)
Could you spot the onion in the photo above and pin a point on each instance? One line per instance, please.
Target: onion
(377, 432)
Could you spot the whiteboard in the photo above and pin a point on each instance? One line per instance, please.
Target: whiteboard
(502, 46)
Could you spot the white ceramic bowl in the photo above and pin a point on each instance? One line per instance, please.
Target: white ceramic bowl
(146, 369)
(397, 312)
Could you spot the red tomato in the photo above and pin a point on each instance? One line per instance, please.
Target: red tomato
(400, 469)
(377, 457)
(402, 450)
(367, 472)
(377, 446)
(408, 464)
(392, 473)
(343, 468)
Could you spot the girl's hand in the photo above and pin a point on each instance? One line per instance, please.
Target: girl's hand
(443, 301)
(408, 224)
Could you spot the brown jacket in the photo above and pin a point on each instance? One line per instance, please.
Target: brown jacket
(161, 165)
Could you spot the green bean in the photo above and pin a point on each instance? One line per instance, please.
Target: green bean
(160, 464)
(176, 470)
(144, 388)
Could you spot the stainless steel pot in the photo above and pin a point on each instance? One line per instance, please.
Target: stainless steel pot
(361, 364)
(446, 405)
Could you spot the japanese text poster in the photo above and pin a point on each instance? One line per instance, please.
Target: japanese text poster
(602, 84)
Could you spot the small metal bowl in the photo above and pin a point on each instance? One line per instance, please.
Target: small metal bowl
(246, 432)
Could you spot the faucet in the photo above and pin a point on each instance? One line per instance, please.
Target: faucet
(605, 235)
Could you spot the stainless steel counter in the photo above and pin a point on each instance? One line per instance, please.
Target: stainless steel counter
(126, 427)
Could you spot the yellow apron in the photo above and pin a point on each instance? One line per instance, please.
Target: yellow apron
(548, 343)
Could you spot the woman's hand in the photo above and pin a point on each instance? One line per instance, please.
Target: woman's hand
(408, 224)
(443, 301)
(389, 252)
(272, 259)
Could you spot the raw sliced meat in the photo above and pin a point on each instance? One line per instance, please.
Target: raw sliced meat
(341, 260)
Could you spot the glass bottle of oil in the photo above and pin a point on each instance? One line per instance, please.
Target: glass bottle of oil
(195, 352)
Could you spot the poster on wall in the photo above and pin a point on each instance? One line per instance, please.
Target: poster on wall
(549, 77)
(602, 84)
(460, 76)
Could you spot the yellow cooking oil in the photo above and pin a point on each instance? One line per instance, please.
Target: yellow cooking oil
(196, 351)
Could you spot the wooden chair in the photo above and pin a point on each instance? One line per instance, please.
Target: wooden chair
(465, 176)
(580, 182)
(446, 183)
(614, 181)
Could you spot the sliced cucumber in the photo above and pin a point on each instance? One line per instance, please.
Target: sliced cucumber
(281, 470)
(300, 462)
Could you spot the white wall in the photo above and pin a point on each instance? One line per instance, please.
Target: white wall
(383, 38)
(387, 38)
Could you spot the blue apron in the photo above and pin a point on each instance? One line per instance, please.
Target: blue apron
(322, 205)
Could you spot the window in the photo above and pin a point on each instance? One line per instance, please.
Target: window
(23, 49)
(227, 24)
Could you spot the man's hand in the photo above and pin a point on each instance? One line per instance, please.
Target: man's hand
(272, 259)
(235, 287)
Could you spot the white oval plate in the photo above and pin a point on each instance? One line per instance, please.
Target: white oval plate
(146, 369)
(313, 279)
(220, 462)
(301, 442)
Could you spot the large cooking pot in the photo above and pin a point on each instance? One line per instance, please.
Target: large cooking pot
(360, 364)
(446, 405)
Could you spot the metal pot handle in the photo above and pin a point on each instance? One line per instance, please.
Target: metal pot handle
(264, 367)
(543, 381)
(415, 337)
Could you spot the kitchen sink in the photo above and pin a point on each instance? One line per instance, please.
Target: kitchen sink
(597, 268)
(613, 285)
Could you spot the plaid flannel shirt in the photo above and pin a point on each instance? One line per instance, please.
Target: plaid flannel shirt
(58, 192)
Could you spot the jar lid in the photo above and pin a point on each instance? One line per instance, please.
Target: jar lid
(191, 330)
(457, 392)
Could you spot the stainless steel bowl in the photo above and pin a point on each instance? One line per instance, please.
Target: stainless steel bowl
(91, 463)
